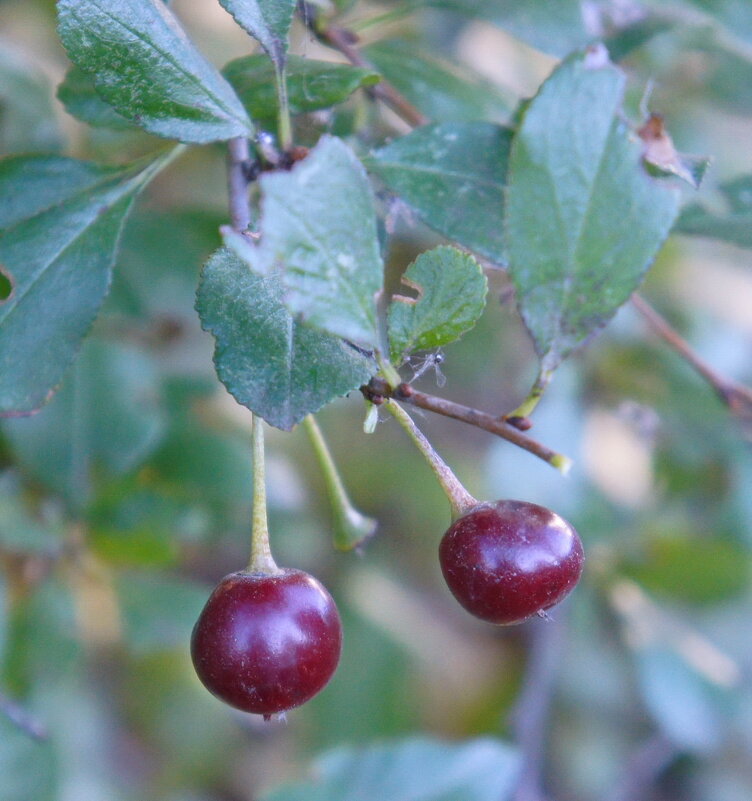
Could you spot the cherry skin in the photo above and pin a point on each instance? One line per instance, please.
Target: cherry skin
(266, 643)
(508, 560)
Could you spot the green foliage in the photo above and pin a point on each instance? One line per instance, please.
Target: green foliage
(311, 85)
(104, 421)
(61, 230)
(145, 66)
(79, 96)
(268, 21)
(420, 769)
(453, 176)
(274, 365)
(319, 226)
(451, 293)
(583, 220)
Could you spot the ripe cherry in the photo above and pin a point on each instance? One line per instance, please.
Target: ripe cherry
(267, 642)
(508, 560)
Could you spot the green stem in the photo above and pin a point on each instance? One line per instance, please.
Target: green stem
(262, 560)
(387, 370)
(284, 126)
(351, 528)
(459, 498)
(525, 409)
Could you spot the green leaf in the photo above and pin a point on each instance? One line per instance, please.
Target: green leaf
(417, 769)
(311, 85)
(451, 290)
(145, 66)
(319, 225)
(440, 89)
(453, 176)
(735, 226)
(584, 221)
(105, 419)
(268, 21)
(27, 118)
(276, 366)
(692, 569)
(20, 530)
(79, 96)
(60, 230)
(553, 26)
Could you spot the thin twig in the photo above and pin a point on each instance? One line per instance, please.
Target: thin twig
(237, 183)
(21, 718)
(530, 717)
(345, 41)
(457, 411)
(643, 768)
(736, 396)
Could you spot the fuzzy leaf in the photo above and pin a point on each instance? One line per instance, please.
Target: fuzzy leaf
(451, 291)
(268, 21)
(79, 96)
(319, 226)
(60, 231)
(279, 368)
(584, 221)
(148, 70)
(453, 176)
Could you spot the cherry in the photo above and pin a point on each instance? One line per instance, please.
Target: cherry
(267, 642)
(508, 560)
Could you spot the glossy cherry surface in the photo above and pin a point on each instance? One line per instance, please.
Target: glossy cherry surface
(267, 643)
(508, 560)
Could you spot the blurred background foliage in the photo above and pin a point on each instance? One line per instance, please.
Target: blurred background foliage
(128, 496)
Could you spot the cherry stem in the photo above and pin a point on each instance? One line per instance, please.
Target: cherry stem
(378, 389)
(262, 560)
(525, 409)
(459, 498)
(351, 527)
(284, 126)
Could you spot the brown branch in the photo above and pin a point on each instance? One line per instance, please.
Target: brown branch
(736, 396)
(237, 183)
(345, 41)
(378, 388)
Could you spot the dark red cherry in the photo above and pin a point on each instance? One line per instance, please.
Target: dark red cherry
(267, 643)
(508, 560)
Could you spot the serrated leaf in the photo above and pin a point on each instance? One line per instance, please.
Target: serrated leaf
(27, 119)
(453, 175)
(279, 368)
(584, 221)
(319, 226)
(104, 421)
(60, 230)
(79, 96)
(311, 85)
(148, 70)
(734, 226)
(417, 769)
(440, 89)
(451, 289)
(268, 21)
